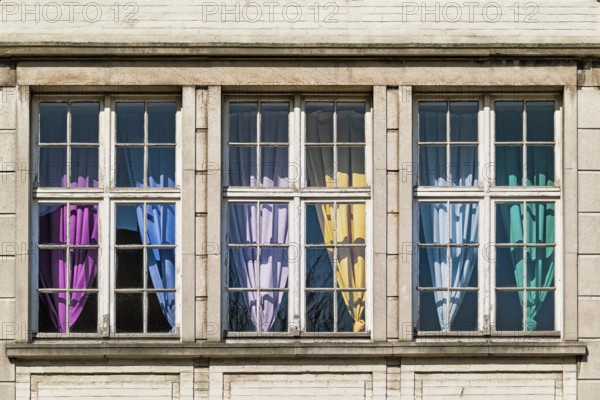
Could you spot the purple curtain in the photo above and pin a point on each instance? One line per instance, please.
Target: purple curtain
(83, 225)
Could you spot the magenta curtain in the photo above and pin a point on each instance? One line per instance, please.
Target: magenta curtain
(83, 225)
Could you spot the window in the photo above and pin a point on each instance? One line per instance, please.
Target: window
(487, 174)
(297, 204)
(106, 204)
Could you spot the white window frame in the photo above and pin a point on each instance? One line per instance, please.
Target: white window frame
(106, 195)
(296, 195)
(486, 195)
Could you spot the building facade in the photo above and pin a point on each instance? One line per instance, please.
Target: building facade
(345, 199)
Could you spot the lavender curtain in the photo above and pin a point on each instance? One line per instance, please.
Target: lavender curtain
(83, 224)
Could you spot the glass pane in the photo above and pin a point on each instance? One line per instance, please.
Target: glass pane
(53, 166)
(319, 271)
(274, 122)
(432, 305)
(351, 167)
(52, 269)
(463, 262)
(84, 167)
(509, 166)
(350, 223)
(351, 311)
(463, 311)
(319, 223)
(84, 269)
(540, 310)
(509, 267)
(83, 222)
(351, 122)
(280, 322)
(433, 223)
(160, 224)
(161, 270)
(273, 267)
(130, 268)
(84, 312)
(540, 166)
(242, 268)
(129, 227)
(509, 121)
(130, 122)
(242, 122)
(432, 166)
(540, 267)
(242, 166)
(52, 223)
(319, 311)
(463, 165)
(242, 223)
(509, 223)
(319, 122)
(129, 312)
(464, 223)
(157, 321)
(271, 308)
(273, 223)
(540, 223)
(242, 311)
(85, 119)
(274, 166)
(319, 166)
(161, 123)
(130, 167)
(161, 166)
(509, 311)
(433, 267)
(53, 122)
(432, 121)
(350, 268)
(463, 121)
(540, 121)
(48, 303)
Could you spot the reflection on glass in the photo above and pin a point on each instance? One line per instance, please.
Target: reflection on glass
(319, 311)
(128, 226)
(432, 121)
(320, 166)
(463, 121)
(53, 122)
(319, 122)
(509, 121)
(540, 121)
(350, 122)
(319, 271)
(85, 120)
(509, 311)
(161, 122)
(466, 317)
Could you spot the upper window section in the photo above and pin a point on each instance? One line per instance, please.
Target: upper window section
(448, 143)
(68, 144)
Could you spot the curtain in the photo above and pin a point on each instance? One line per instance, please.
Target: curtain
(83, 223)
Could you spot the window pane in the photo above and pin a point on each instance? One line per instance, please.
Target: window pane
(509, 311)
(157, 317)
(351, 311)
(463, 262)
(463, 165)
(52, 224)
(432, 166)
(273, 223)
(242, 307)
(433, 267)
(432, 121)
(274, 122)
(129, 227)
(464, 223)
(351, 167)
(242, 223)
(463, 311)
(273, 310)
(84, 269)
(350, 223)
(85, 118)
(350, 268)
(319, 223)
(130, 268)
(130, 122)
(319, 166)
(53, 166)
(540, 222)
(84, 167)
(509, 267)
(130, 167)
(540, 165)
(53, 122)
(433, 223)
(509, 165)
(540, 121)
(129, 310)
(319, 311)
(319, 122)
(274, 166)
(463, 121)
(160, 224)
(242, 268)
(280, 323)
(319, 271)
(350, 122)
(540, 310)
(47, 315)
(161, 122)
(84, 312)
(52, 269)
(242, 166)
(431, 306)
(242, 122)
(161, 167)
(509, 223)
(509, 121)
(540, 267)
